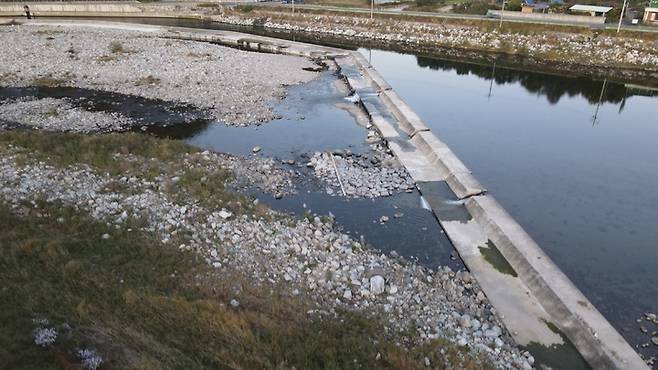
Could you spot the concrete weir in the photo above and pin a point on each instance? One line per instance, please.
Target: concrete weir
(541, 308)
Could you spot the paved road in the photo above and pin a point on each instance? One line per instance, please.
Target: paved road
(448, 16)
(339, 9)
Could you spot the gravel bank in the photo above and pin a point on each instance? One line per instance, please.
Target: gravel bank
(59, 115)
(236, 86)
(308, 256)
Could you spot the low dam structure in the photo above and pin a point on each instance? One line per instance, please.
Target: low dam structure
(541, 308)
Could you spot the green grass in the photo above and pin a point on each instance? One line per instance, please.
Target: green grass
(245, 8)
(143, 305)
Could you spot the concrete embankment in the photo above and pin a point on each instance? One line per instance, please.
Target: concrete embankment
(529, 291)
(540, 306)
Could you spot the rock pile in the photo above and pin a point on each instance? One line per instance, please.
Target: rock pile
(50, 114)
(369, 176)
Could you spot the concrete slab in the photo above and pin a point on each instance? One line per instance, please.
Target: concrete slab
(413, 160)
(521, 312)
(452, 169)
(568, 307)
(385, 128)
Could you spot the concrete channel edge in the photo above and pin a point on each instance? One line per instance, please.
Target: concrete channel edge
(592, 335)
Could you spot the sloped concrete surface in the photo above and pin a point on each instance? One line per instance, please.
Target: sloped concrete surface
(537, 302)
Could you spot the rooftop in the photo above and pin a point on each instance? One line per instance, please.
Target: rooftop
(590, 8)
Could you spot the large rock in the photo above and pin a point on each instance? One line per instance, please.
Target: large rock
(377, 285)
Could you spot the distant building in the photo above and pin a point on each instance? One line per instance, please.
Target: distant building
(530, 6)
(651, 13)
(593, 10)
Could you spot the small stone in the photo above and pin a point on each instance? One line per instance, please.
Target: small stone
(383, 219)
(234, 303)
(256, 149)
(224, 214)
(105, 236)
(398, 215)
(377, 284)
(654, 340)
(494, 332)
(465, 321)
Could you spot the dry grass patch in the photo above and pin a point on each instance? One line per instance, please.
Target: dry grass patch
(147, 80)
(142, 305)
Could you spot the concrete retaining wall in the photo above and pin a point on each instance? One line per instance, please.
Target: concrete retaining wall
(549, 18)
(64, 9)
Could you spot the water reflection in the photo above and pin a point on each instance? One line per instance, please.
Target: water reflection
(553, 87)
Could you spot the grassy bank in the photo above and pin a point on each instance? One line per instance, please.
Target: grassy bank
(133, 154)
(87, 291)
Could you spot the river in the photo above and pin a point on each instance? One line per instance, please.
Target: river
(574, 160)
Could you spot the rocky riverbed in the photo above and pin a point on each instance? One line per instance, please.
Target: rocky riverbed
(306, 255)
(236, 89)
(58, 115)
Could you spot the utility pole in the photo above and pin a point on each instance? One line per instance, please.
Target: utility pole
(372, 8)
(621, 16)
(501, 15)
(596, 112)
(293, 6)
(493, 76)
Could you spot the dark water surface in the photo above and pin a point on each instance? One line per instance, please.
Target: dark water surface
(574, 162)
